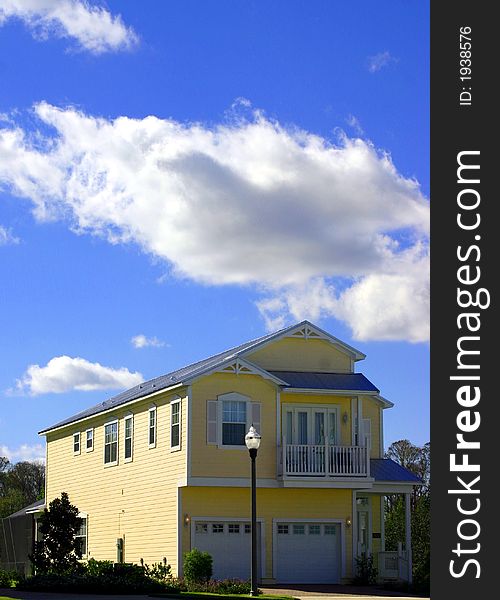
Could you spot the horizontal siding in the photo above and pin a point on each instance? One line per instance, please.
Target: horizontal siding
(302, 355)
(271, 504)
(135, 500)
(371, 410)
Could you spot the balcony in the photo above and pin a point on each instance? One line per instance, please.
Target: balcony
(307, 460)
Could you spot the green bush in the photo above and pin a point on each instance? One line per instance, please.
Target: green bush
(161, 572)
(197, 566)
(366, 573)
(9, 578)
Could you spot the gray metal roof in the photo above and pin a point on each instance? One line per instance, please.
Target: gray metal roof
(326, 381)
(38, 504)
(185, 374)
(385, 469)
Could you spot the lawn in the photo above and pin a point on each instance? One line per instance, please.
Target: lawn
(208, 596)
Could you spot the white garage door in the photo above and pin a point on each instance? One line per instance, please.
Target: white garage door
(229, 544)
(307, 553)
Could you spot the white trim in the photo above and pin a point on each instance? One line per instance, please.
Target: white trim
(279, 452)
(131, 457)
(152, 409)
(79, 451)
(180, 525)
(292, 406)
(334, 482)
(114, 463)
(392, 487)
(293, 482)
(261, 522)
(112, 409)
(178, 401)
(243, 482)
(353, 420)
(368, 510)
(408, 536)
(240, 366)
(382, 523)
(354, 533)
(322, 392)
(189, 405)
(232, 397)
(381, 432)
(341, 522)
(91, 449)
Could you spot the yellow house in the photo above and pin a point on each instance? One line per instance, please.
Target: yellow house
(163, 468)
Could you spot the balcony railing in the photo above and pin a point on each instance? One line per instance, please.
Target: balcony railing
(323, 460)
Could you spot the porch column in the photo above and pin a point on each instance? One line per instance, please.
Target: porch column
(382, 523)
(408, 536)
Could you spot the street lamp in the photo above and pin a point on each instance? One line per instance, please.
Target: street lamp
(252, 441)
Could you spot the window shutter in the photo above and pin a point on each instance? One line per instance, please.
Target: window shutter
(255, 416)
(211, 421)
(367, 432)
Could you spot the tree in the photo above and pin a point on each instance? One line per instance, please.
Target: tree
(20, 484)
(58, 551)
(417, 460)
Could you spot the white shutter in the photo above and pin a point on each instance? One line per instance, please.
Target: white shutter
(367, 433)
(211, 421)
(255, 415)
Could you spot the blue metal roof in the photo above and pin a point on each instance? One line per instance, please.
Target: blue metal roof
(326, 381)
(385, 469)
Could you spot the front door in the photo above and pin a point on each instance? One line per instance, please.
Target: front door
(310, 425)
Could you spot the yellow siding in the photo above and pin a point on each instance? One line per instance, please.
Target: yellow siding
(302, 355)
(371, 410)
(135, 500)
(271, 504)
(211, 461)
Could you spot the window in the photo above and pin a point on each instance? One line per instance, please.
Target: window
(282, 529)
(152, 427)
(201, 528)
(330, 530)
(175, 424)
(314, 529)
(129, 432)
(89, 440)
(234, 422)
(299, 529)
(233, 528)
(218, 528)
(111, 443)
(76, 443)
(248, 528)
(81, 537)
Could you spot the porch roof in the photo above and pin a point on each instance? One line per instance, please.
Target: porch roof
(326, 381)
(385, 469)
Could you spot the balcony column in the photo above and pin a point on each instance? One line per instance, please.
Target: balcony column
(408, 536)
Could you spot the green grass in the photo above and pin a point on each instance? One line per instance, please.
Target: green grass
(208, 595)
(6, 598)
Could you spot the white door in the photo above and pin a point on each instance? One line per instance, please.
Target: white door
(307, 553)
(229, 544)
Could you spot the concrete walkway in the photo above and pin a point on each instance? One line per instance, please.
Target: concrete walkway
(303, 592)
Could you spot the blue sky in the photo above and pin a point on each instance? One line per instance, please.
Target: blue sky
(200, 173)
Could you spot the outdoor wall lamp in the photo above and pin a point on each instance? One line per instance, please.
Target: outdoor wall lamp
(252, 441)
(348, 522)
(186, 520)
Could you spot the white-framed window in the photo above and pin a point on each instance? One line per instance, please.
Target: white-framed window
(128, 438)
(283, 529)
(175, 424)
(218, 528)
(81, 537)
(233, 528)
(89, 440)
(152, 427)
(234, 422)
(76, 443)
(229, 418)
(111, 443)
(314, 529)
(307, 424)
(201, 527)
(299, 529)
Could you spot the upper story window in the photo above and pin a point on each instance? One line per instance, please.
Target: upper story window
(234, 422)
(175, 424)
(152, 427)
(129, 437)
(89, 440)
(111, 443)
(76, 443)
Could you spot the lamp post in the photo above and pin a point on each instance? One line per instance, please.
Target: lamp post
(252, 441)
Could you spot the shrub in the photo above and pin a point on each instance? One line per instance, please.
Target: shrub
(197, 566)
(161, 572)
(9, 578)
(366, 572)
(98, 568)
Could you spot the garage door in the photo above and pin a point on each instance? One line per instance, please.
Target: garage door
(229, 544)
(307, 553)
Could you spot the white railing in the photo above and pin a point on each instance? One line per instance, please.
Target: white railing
(323, 460)
(393, 565)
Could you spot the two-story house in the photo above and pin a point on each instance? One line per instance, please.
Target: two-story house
(163, 468)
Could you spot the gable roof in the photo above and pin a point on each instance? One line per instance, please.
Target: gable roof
(185, 375)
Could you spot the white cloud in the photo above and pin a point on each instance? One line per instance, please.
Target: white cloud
(380, 60)
(93, 27)
(65, 374)
(353, 122)
(33, 453)
(7, 237)
(244, 202)
(141, 341)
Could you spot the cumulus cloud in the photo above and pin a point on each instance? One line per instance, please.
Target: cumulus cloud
(142, 341)
(66, 374)
(7, 237)
(34, 453)
(93, 27)
(380, 60)
(248, 202)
